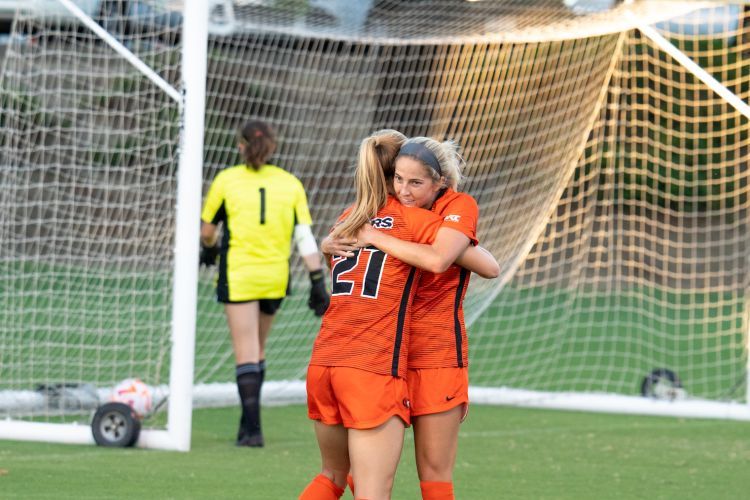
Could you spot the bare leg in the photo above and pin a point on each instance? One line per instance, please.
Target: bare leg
(266, 320)
(436, 444)
(374, 457)
(334, 452)
(243, 320)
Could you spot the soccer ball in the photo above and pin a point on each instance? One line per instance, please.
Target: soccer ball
(135, 394)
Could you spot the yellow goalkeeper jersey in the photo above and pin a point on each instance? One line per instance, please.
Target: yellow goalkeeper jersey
(259, 209)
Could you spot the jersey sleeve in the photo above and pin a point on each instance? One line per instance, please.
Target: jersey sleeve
(462, 215)
(301, 209)
(213, 212)
(425, 224)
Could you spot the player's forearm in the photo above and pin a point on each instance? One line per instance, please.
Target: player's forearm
(479, 261)
(419, 255)
(312, 262)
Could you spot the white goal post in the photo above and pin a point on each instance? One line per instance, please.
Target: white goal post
(191, 101)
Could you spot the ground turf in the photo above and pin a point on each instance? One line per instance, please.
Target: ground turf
(504, 453)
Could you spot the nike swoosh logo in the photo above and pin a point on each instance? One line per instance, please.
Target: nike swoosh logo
(448, 398)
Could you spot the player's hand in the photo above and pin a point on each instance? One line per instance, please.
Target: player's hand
(338, 247)
(319, 298)
(366, 236)
(208, 255)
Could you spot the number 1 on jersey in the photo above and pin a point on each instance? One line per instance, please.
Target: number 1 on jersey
(262, 205)
(373, 273)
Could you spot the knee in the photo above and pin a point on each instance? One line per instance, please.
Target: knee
(373, 486)
(434, 467)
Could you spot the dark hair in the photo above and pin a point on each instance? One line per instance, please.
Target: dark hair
(259, 141)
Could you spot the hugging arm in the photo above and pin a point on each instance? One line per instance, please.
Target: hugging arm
(448, 246)
(338, 247)
(480, 261)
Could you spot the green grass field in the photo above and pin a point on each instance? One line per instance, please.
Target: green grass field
(504, 453)
(556, 339)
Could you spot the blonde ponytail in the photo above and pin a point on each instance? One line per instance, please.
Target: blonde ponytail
(374, 169)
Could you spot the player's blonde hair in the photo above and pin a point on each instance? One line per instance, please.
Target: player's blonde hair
(375, 168)
(447, 155)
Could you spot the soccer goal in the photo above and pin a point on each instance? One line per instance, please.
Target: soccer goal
(101, 179)
(606, 143)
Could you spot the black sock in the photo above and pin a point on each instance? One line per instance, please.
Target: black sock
(262, 365)
(249, 381)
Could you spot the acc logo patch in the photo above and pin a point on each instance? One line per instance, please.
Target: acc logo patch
(382, 222)
(452, 218)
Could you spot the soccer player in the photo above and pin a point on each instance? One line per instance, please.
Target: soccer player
(261, 208)
(356, 389)
(427, 175)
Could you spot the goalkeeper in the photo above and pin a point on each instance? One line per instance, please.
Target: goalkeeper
(261, 208)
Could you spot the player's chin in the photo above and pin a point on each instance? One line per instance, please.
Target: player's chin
(408, 203)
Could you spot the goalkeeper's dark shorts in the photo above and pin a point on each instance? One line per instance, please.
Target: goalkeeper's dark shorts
(269, 306)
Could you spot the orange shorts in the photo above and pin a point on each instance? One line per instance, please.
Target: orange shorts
(435, 390)
(356, 398)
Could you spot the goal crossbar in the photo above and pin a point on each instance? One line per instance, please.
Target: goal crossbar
(118, 47)
(701, 74)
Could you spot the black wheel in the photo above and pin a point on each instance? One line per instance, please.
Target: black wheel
(662, 383)
(115, 425)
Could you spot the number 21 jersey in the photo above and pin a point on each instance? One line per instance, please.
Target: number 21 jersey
(366, 325)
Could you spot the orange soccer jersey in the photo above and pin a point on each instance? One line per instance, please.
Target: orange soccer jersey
(367, 323)
(438, 333)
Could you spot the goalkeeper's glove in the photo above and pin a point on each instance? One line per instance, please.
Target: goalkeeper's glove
(319, 298)
(208, 255)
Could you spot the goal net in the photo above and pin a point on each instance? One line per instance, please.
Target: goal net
(642, 267)
(611, 180)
